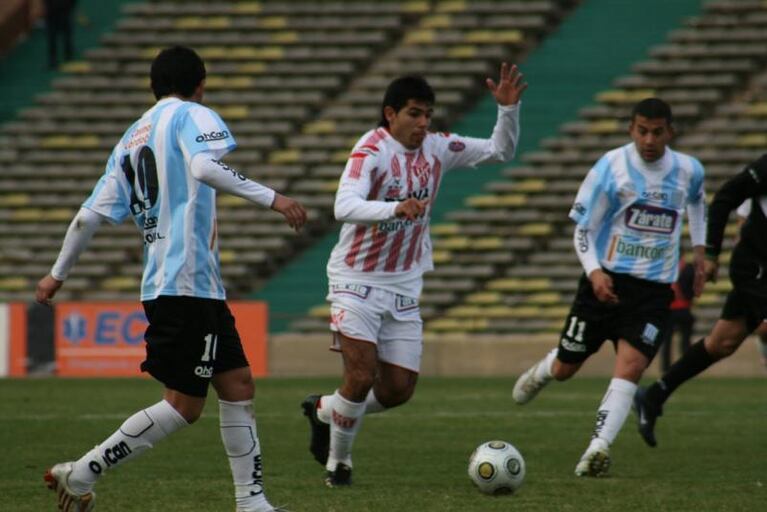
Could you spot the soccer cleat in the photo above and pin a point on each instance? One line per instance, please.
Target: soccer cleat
(647, 414)
(527, 386)
(340, 477)
(320, 432)
(271, 509)
(68, 501)
(595, 462)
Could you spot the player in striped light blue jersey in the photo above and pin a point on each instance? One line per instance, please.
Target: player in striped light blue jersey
(165, 173)
(633, 208)
(628, 214)
(178, 225)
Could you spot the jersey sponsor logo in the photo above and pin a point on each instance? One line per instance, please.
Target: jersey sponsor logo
(583, 240)
(229, 169)
(139, 137)
(358, 290)
(395, 225)
(212, 136)
(150, 231)
(655, 195)
(636, 250)
(456, 146)
(651, 219)
(402, 303)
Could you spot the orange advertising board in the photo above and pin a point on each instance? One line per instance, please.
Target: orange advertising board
(106, 339)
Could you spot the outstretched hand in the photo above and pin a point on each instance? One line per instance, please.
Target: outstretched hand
(510, 87)
(292, 210)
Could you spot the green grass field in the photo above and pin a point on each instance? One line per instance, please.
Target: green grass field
(712, 453)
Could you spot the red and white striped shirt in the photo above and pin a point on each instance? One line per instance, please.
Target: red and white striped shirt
(375, 248)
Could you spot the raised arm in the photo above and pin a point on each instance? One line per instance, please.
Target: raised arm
(502, 144)
(213, 172)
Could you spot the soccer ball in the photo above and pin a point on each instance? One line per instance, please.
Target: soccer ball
(496, 467)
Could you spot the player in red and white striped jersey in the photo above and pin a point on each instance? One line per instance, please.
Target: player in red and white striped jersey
(385, 199)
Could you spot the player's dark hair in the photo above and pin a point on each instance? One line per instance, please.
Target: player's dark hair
(403, 89)
(176, 70)
(653, 108)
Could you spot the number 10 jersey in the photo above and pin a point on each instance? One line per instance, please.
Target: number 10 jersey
(148, 177)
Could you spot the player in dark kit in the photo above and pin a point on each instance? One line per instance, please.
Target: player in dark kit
(746, 306)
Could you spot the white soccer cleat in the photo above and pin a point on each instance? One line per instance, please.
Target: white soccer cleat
(56, 479)
(527, 385)
(595, 461)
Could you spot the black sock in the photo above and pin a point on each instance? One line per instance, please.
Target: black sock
(694, 361)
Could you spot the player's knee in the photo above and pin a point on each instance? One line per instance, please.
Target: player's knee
(395, 395)
(189, 412)
(562, 371)
(722, 348)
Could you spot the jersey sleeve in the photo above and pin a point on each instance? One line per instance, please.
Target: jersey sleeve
(592, 201)
(111, 195)
(751, 182)
(696, 205)
(359, 184)
(461, 151)
(202, 129)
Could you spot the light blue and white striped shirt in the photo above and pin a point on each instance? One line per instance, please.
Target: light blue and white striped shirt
(635, 210)
(148, 176)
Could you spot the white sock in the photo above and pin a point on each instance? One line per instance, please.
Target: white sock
(543, 370)
(614, 409)
(240, 438)
(346, 421)
(324, 408)
(137, 434)
(372, 406)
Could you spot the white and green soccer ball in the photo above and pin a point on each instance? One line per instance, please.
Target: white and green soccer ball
(496, 467)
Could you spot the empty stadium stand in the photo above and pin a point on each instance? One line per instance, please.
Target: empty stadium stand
(295, 81)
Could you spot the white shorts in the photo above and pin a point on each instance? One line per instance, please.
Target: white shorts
(390, 321)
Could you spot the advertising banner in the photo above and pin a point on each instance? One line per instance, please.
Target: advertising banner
(106, 339)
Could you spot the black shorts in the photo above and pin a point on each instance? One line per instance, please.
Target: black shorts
(189, 340)
(748, 297)
(642, 317)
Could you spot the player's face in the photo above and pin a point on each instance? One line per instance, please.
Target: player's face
(651, 136)
(410, 125)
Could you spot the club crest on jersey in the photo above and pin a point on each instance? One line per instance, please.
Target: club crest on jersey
(456, 146)
(422, 171)
(651, 219)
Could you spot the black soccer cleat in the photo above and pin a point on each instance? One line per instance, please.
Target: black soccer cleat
(340, 477)
(647, 413)
(319, 444)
